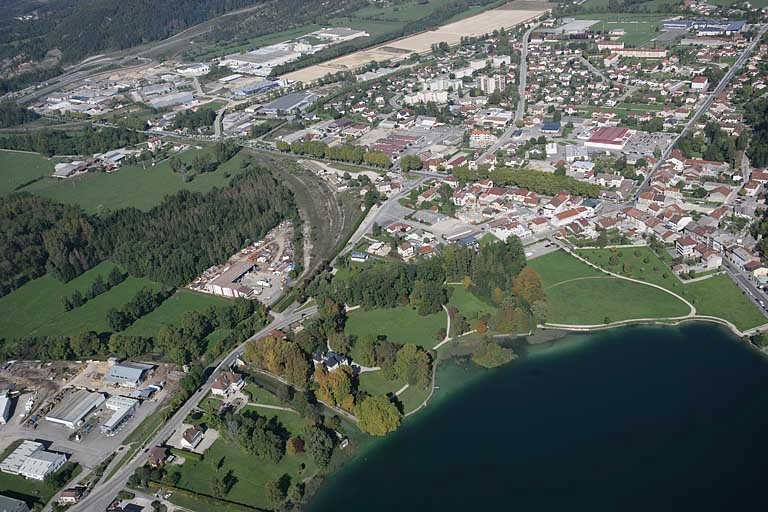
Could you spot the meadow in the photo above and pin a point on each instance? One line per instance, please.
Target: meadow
(18, 168)
(132, 185)
(400, 325)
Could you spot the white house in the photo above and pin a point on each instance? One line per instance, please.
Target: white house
(227, 383)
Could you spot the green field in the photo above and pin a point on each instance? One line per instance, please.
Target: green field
(374, 383)
(18, 168)
(36, 307)
(468, 304)
(401, 325)
(35, 494)
(717, 296)
(559, 266)
(639, 29)
(592, 300)
(131, 185)
(251, 472)
(170, 311)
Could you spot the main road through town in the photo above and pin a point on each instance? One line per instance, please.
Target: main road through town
(522, 83)
(704, 107)
(103, 494)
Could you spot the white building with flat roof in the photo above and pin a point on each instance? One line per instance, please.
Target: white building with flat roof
(5, 408)
(127, 375)
(123, 408)
(31, 460)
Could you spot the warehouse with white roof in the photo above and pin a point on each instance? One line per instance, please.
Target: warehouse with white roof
(73, 408)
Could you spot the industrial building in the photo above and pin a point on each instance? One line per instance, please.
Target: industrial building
(173, 99)
(261, 61)
(290, 103)
(73, 408)
(5, 408)
(12, 505)
(123, 408)
(613, 139)
(127, 375)
(31, 460)
(228, 282)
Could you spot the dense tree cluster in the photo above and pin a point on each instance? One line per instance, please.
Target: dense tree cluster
(144, 302)
(190, 231)
(194, 119)
(536, 181)
(99, 286)
(756, 114)
(386, 286)
(715, 145)
(336, 387)
(257, 435)
(343, 153)
(282, 358)
(80, 28)
(378, 416)
(492, 266)
(89, 141)
(491, 355)
(12, 114)
(24, 80)
(38, 235)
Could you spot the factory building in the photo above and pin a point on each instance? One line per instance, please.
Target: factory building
(228, 283)
(123, 408)
(73, 409)
(31, 460)
(126, 375)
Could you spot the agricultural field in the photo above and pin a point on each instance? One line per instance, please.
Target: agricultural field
(131, 186)
(400, 325)
(37, 309)
(251, 473)
(18, 168)
(171, 310)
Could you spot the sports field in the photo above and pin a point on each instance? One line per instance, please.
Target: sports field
(36, 309)
(400, 325)
(131, 185)
(18, 168)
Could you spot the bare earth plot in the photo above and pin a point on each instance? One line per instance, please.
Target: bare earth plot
(452, 33)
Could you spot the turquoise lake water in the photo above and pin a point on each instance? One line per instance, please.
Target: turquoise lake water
(631, 419)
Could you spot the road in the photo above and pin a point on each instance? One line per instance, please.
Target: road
(103, 494)
(704, 107)
(522, 84)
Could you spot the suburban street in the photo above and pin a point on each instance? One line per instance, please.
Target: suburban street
(103, 494)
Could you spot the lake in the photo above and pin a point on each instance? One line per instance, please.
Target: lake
(634, 419)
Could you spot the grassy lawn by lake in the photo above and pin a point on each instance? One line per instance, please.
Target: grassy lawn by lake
(559, 266)
(132, 185)
(717, 296)
(375, 383)
(468, 303)
(251, 472)
(171, 310)
(36, 308)
(18, 168)
(592, 300)
(401, 325)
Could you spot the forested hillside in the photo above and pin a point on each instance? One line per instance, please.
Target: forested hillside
(84, 27)
(187, 233)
